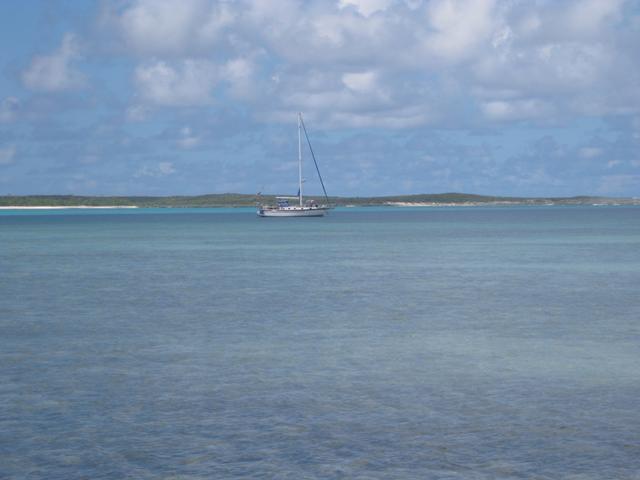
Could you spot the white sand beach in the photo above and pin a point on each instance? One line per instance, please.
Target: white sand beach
(64, 207)
(449, 204)
(430, 204)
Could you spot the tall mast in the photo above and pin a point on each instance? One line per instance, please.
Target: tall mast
(300, 156)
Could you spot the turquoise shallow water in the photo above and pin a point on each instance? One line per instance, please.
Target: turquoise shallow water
(455, 343)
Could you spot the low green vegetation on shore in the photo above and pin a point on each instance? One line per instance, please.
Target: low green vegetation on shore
(245, 200)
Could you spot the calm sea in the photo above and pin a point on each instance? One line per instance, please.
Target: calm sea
(452, 343)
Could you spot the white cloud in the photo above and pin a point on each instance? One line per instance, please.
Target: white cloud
(371, 64)
(589, 16)
(618, 184)
(360, 82)
(590, 152)
(459, 27)
(81, 183)
(366, 7)
(542, 70)
(137, 113)
(169, 27)
(534, 177)
(571, 54)
(160, 169)
(55, 72)
(282, 12)
(501, 110)
(613, 163)
(187, 138)
(190, 83)
(398, 118)
(239, 74)
(166, 168)
(363, 60)
(9, 109)
(159, 26)
(7, 154)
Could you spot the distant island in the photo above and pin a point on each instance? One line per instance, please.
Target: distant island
(247, 200)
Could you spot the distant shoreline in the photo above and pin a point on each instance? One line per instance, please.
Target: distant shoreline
(235, 200)
(387, 204)
(458, 204)
(63, 207)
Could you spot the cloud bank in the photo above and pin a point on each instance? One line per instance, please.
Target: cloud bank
(55, 72)
(356, 63)
(502, 96)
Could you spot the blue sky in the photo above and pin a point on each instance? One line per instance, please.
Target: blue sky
(161, 97)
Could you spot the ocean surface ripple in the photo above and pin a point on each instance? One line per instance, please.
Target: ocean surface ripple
(417, 343)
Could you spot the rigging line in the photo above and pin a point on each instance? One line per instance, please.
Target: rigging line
(314, 159)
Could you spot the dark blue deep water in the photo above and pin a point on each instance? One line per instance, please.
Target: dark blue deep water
(453, 343)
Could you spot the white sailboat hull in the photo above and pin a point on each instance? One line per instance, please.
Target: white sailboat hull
(301, 208)
(293, 212)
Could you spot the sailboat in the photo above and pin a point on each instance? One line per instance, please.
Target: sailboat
(298, 207)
